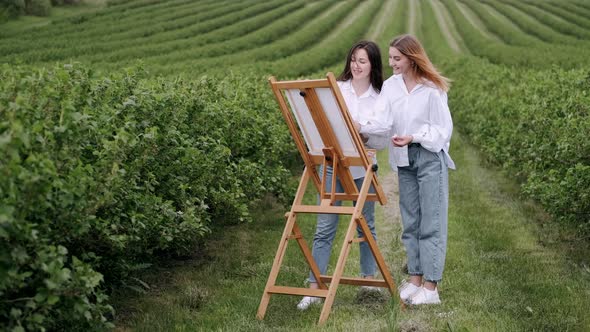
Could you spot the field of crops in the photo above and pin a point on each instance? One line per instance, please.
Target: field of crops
(133, 128)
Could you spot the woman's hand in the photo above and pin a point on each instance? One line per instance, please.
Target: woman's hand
(357, 126)
(400, 141)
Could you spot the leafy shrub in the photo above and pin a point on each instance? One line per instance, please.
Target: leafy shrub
(534, 124)
(100, 175)
(12, 8)
(516, 49)
(64, 2)
(38, 7)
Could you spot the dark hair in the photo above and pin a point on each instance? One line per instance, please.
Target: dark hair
(374, 58)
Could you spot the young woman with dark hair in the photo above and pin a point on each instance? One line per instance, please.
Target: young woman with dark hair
(360, 83)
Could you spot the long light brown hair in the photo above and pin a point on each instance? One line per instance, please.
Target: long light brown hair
(422, 67)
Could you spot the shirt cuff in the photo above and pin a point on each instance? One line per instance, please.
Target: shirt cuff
(417, 138)
(361, 125)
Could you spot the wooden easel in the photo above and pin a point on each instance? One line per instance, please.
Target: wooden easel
(319, 144)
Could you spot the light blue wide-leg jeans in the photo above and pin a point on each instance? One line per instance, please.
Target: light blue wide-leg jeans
(327, 224)
(423, 201)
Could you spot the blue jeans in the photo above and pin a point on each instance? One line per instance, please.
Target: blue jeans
(423, 201)
(327, 225)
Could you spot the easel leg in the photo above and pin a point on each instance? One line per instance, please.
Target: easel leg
(308, 257)
(338, 271)
(360, 220)
(276, 266)
(377, 254)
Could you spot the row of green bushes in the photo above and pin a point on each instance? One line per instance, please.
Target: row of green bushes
(98, 175)
(300, 40)
(332, 48)
(128, 30)
(515, 116)
(550, 20)
(516, 48)
(15, 8)
(104, 21)
(533, 123)
(242, 25)
(581, 5)
(529, 118)
(190, 41)
(575, 13)
(530, 25)
(508, 33)
(274, 31)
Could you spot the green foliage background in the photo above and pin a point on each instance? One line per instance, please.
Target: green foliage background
(101, 174)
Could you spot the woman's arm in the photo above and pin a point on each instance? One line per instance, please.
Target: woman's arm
(434, 135)
(382, 119)
(377, 142)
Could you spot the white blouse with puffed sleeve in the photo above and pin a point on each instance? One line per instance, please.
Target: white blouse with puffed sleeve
(422, 113)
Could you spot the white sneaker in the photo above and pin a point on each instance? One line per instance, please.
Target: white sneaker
(407, 289)
(424, 296)
(370, 289)
(307, 301)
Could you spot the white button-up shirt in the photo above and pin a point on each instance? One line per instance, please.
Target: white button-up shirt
(422, 113)
(361, 109)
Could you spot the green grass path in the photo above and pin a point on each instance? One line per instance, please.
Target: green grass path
(499, 277)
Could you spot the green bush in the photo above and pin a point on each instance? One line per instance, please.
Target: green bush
(100, 175)
(12, 8)
(64, 2)
(516, 49)
(535, 125)
(37, 7)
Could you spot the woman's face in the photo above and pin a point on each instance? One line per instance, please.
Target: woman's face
(400, 63)
(360, 66)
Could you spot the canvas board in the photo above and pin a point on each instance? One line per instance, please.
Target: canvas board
(308, 128)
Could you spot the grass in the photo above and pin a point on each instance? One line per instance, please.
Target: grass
(222, 290)
(502, 274)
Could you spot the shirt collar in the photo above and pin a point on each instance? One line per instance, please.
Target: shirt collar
(399, 78)
(369, 93)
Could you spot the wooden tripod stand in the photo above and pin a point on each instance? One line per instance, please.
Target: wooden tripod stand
(324, 134)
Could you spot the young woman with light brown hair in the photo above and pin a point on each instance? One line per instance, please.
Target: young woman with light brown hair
(412, 109)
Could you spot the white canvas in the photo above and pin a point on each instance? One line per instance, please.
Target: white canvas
(308, 128)
(330, 106)
(305, 121)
